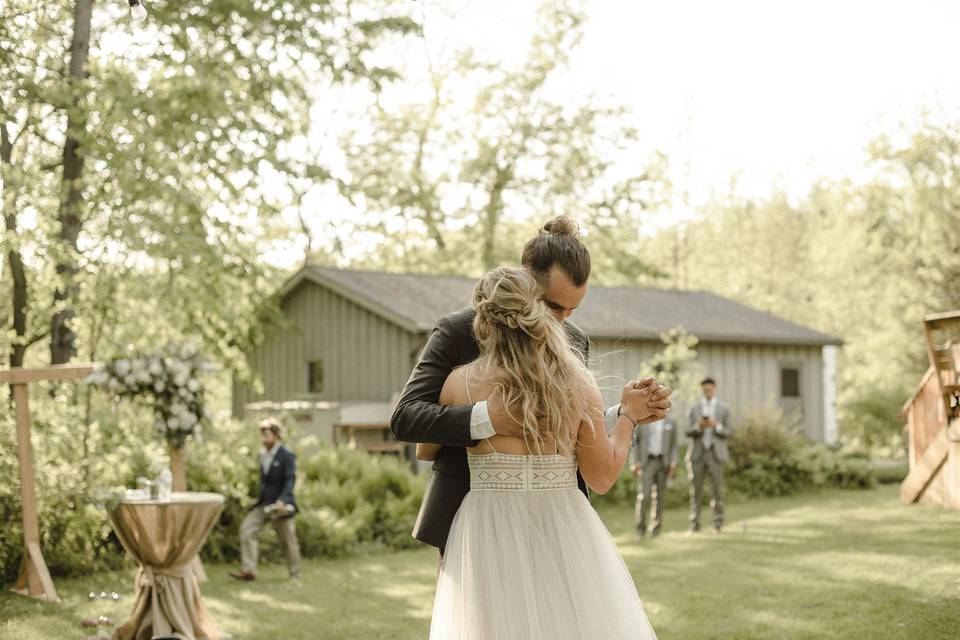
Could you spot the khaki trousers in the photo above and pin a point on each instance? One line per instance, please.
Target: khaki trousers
(286, 532)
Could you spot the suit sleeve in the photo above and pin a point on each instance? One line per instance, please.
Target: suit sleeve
(289, 479)
(693, 431)
(419, 416)
(727, 429)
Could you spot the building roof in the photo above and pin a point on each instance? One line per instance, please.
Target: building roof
(416, 301)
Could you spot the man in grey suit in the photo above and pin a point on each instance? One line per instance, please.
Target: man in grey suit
(708, 430)
(654, 458)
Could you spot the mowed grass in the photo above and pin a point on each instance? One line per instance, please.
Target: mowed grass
(850, 565)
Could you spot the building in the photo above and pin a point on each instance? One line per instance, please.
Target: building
(354, 337)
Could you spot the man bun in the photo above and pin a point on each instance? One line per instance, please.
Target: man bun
(562, 226)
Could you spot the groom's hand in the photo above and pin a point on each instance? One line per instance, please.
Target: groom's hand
(503, 422)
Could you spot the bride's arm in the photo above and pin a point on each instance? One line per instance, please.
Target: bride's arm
(452, 393)
(600, 456)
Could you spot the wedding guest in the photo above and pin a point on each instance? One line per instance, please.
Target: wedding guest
(275, 504)
(708, 430)
(654, 459)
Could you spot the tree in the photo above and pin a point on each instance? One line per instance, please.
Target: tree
(452, 182)
(149, 157)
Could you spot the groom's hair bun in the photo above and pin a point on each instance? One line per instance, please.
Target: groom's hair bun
(557, 244)
(562, 226)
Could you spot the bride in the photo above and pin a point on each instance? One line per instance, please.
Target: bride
(527, 556)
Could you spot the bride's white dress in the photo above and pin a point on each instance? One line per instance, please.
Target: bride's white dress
(528, 558)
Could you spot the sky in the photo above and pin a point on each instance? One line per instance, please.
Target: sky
(764, 94)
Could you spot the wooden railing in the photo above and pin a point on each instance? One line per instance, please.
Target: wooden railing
(925, 415)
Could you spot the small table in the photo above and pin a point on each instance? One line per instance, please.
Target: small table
(165, 537)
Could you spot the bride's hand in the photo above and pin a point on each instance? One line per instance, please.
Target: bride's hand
(646, 400)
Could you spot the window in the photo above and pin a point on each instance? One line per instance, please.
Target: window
(789, 382)
(315, 376)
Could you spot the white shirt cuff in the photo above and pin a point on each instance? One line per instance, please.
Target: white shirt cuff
(610, 418)
(480, 425)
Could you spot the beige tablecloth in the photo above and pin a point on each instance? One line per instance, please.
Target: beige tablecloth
(165, 537)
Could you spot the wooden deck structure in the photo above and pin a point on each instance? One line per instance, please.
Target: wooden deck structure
(34, 579)
(933, 418)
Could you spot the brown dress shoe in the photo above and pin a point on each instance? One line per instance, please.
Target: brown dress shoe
(246, 576)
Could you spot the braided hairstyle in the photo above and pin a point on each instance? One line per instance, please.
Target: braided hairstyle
(526, 356)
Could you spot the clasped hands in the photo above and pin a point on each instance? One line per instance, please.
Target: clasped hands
(644, 401)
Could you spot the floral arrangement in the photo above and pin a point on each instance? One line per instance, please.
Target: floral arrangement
(169, 383)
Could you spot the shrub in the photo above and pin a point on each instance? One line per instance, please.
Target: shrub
(769, 457)
(349, 500)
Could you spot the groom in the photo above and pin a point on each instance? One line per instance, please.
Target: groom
(561, 264)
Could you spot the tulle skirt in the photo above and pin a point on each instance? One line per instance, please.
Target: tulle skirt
(530, 565)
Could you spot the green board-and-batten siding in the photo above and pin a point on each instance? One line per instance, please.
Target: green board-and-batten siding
(747, 375)
(368, 356)
(365, 357)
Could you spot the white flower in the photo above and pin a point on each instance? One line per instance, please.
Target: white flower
(189, 418)
(180, 379)
(193, 384)
(122, 367)
(173, 423)
(129, 380)
(113, 384)
(155, 367)
(158, 386)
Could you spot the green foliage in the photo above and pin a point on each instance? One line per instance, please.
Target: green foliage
(861, 260)
(190, 131)
(464, 174)
(769, 457)
(349, 500)
(676, 365)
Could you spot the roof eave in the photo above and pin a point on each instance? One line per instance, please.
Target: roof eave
(719, 338)
(309, 275)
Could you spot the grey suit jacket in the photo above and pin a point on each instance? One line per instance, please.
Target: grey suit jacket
(641, 443)
(720, 434)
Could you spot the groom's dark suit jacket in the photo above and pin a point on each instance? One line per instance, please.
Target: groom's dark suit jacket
(419, 418)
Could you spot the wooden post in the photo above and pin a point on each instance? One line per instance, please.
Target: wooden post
(34, 579)
(178, 467)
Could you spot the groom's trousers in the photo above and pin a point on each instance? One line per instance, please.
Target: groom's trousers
(697, 472)
(286, 533)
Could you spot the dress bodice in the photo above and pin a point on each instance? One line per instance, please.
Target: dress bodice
(516, 472)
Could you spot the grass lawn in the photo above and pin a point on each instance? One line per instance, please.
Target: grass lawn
(843, 565)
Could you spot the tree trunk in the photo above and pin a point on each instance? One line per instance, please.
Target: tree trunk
(62, 336)
(492, 213)
(8, 204)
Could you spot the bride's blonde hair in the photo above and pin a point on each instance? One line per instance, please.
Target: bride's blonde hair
(525, 355)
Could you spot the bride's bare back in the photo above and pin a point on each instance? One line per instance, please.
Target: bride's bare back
(465, 387)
